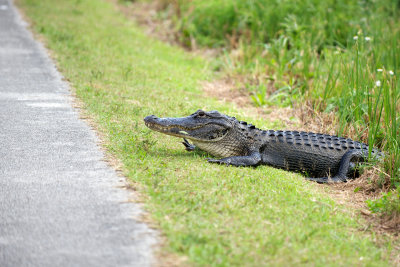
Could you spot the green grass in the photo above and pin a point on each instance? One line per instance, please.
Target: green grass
(215, 215)
(327, 23)
(389, 204)
(305, 51)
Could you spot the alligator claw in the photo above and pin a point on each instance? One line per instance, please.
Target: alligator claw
(318, 180)
(188, 146)
(213, 160)
(218, 161)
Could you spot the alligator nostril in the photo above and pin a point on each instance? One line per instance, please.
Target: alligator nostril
(150, 118)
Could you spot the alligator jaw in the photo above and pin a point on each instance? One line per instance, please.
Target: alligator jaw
(162, 126)
(188, 127)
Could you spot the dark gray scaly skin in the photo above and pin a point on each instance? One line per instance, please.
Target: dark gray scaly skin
(324, 158)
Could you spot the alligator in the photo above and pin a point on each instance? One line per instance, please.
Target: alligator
(322, 158)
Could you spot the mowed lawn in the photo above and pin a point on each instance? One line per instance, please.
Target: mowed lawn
(213, 215)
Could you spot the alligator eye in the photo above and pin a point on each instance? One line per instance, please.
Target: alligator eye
(201, 113)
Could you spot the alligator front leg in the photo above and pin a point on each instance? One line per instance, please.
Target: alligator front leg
(253, 159)
(345, 165)
(188, 146)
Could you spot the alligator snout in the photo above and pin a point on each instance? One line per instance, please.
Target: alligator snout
(156, 123)
(165, 125)
(150, 118)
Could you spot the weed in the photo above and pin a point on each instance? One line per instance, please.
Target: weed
(259, 94)
(389, 203)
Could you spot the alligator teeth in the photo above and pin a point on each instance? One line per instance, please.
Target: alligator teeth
(183, 132)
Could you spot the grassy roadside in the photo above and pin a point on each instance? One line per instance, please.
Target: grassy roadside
(215, 215)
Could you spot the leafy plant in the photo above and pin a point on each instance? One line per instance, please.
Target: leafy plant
(389, 203)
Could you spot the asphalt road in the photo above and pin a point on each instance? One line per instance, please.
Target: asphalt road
(60, 203)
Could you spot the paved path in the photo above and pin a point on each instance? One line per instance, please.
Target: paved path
(60, 204)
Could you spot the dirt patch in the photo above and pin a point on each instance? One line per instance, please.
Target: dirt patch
(356, 192)
(226, 91)
(145, 14)
(300, 118)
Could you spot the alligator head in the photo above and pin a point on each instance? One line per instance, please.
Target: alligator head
(200, 127)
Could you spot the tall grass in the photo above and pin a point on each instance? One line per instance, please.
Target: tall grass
(368, 103)
(330, 22)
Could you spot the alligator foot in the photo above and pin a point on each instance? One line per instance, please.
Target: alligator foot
(218, 161)
(328, 180)
(188, 146)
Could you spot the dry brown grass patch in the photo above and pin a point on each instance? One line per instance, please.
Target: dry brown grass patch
(145, 14)
(229, 91)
